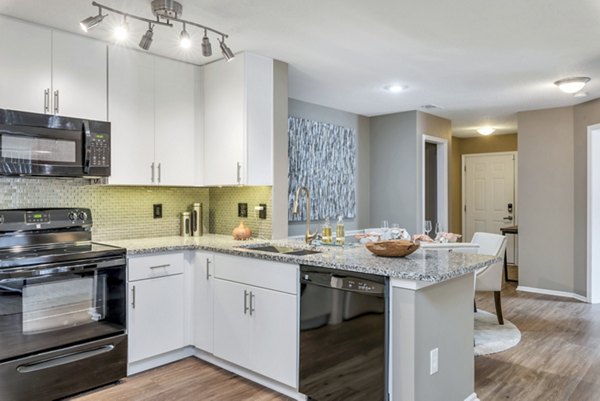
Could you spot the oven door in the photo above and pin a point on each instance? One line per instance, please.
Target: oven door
(32, 150)
(50, 306)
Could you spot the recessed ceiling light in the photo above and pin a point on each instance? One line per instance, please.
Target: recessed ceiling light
(486, 130)
(580, 94)
(395, 88)
(572, 85)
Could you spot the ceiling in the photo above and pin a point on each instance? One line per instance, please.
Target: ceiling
(480, 61)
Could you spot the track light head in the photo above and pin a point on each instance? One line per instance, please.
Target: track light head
(227, 53)
(121, 31)
(184, 39)
(206, 46)
(146, 40)
(91, 22)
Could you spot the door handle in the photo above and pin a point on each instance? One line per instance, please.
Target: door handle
(133, 297)
(252, 310)
(509, 218)
(207, 268)
(152, 172)
(77, 356)
(245, 302)
(56, 96)
(46, 100)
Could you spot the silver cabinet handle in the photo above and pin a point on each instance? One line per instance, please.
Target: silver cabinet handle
(46, 100)
(133, 297)
(239, 173)
(252, 303)
(56, 96)
(160, 266)
(245, 302)
(152, 172)
(159, 169)
(208, 268)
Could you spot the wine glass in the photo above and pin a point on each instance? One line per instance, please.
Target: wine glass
(427, 227)
(438, 229)
(395, 231)
(385, 228)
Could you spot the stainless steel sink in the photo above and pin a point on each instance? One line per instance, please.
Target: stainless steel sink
(286, 250)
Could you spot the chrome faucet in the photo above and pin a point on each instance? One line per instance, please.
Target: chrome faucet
(308, 237)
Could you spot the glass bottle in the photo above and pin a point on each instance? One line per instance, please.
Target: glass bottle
(340, 233)
(326, 232)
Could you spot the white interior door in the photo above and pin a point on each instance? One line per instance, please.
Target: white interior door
(489, 196)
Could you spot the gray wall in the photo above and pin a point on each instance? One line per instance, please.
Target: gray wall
(546, 199)
(360, 125)
(393, 169)
(417, 317)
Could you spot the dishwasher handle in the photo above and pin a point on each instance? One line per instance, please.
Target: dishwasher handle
(344, 283)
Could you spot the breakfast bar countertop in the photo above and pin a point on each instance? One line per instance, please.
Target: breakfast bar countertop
(424, 265)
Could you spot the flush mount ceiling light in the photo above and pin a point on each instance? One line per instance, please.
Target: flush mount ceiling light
(395, 88)
(572, 85)
(166, 13)
(486, 131)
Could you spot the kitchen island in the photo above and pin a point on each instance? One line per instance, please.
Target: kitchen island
(430, 307)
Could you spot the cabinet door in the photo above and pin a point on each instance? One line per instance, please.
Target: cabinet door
(25, 69)
(79, 75)
(232, 336)
(131, 113)
(275, 335)
(224, 122)
(203, 301)
(174, 119)
(156, 316)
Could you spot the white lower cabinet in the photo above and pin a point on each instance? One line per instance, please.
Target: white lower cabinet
(256, 327)
(203, 301)
(156, 306)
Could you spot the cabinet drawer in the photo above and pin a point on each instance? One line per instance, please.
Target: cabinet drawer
(158, 265)
(257, 272)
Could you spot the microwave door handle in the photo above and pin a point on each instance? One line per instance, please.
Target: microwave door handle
(85, 128)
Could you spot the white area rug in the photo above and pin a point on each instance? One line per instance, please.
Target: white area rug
(491, 337)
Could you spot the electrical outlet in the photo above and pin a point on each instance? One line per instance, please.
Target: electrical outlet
(262, 213)
(433, 361)
(242, 210)
(157, 210)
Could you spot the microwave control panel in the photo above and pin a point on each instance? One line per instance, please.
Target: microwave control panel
(99, 150)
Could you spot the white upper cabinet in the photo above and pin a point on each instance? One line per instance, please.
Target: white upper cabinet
(25, 69)
(238, 121)
(78, 76)
(151, 108)
(174, 122)
(131, 113)
(45, 71)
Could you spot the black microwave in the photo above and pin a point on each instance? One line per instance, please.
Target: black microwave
(50, 145)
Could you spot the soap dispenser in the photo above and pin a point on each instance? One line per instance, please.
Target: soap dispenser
(340, 232)
(326, 232)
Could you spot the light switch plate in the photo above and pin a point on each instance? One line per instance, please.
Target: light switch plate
(157, 210)
(242, 210)
(433, 361)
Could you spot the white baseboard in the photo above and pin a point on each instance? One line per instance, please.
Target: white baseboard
(563, 294)
(159, 360)
(472, 397)
(247, 374)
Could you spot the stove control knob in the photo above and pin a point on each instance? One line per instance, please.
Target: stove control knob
(83, 216)
(72, 216)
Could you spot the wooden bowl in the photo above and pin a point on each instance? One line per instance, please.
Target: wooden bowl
(393, 248)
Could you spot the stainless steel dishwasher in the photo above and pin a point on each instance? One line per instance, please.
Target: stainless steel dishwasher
(343, 335)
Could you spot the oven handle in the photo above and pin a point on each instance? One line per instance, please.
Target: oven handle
(45, 270)
(63, 360)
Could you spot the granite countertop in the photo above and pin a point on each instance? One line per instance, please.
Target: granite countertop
(428, 265)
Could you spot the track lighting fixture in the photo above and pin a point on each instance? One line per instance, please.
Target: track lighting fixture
(146, 40)
(227, 53)
(166, 13)
(184, 38)
(93, 21)
(206, 46)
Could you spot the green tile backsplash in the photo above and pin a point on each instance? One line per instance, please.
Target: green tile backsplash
(122, 212)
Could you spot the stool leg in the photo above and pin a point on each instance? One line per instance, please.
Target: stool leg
(498, 307)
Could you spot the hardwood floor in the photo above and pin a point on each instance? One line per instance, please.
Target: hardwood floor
(558, 358)
(186, 380)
